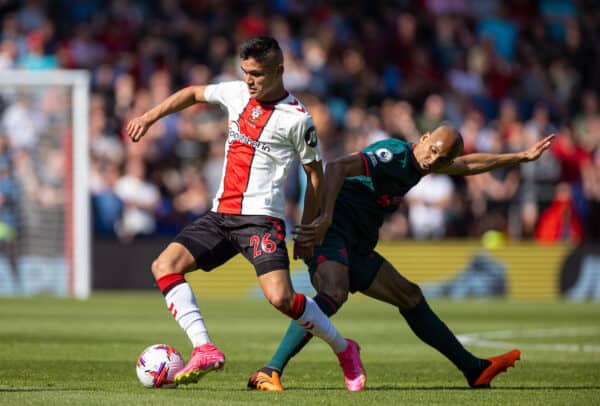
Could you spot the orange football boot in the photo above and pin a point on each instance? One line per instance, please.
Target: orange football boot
(261, 380)
(497, 365)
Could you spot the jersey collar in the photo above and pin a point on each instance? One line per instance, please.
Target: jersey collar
(414, 161)
(273, 102)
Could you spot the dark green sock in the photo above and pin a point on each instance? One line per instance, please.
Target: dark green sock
(296, 337)
(430, 329)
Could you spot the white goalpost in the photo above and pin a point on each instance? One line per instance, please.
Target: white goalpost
(45, 222)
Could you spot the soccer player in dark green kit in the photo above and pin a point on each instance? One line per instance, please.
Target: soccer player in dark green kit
(360, 190)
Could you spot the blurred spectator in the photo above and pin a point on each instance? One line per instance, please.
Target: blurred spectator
(21, 123)
(398, 121)
(501, 30)
(433, 114)
(296, 75)
(585, 123)
(463, 80)
(491, 193)
(32, 15)
(213, 166)
(104, 146)
(591, 189)
(571, 156)
(427, 205)
(124, 94)
(471, 131)
(9, 210)
(315, 58)
(557, 13)
(8, 54)
(508, 125)
(140, 198)
(193, 201)
(36, 56)
(539, 125)
(538, 178)
(107, 206)
(446, 48)
(560, 221)
(564, 80)
(51, 193)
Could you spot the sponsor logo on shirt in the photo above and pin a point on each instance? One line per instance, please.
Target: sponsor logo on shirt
(235, 135)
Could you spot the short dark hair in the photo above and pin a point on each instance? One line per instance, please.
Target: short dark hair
(261, 49)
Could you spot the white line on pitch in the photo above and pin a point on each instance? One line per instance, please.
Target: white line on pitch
(486, 339)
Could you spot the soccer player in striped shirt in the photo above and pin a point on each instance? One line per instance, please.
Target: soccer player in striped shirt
(268, 127)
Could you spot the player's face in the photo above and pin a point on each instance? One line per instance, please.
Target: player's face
(261, 78)
(435, 152)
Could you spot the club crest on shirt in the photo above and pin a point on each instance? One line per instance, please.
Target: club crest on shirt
(384, 155)
(310, 136)
(255, 113)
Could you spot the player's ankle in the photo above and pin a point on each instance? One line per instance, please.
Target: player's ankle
(474, 373)
(268, 369)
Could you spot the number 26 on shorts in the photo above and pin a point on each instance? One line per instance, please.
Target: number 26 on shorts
(265, 245)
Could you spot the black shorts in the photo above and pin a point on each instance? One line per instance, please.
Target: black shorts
(362, 269)
(215, 238)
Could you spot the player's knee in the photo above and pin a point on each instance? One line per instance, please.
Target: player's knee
(339, 295)
(162, 267)
(280, 301)
(414, 296)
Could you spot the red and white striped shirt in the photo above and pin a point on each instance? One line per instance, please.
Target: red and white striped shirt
(263, 140)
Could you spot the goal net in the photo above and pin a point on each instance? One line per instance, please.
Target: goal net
(44, 197)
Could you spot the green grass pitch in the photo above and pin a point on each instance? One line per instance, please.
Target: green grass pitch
(57, 351)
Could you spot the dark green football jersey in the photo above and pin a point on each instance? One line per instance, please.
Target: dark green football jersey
(391, 170)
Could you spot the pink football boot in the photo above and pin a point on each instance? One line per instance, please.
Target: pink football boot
(205, 358)
(354, 372)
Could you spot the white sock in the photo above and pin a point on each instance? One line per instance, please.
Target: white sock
(315, 321)
(182, 304)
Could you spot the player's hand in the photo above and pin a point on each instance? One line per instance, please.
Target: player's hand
(304, 241)
(536, 150)
(137, 128)
(302, 251)
(309, 235)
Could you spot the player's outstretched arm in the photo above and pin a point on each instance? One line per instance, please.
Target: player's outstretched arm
(179, 100)
(472, 164)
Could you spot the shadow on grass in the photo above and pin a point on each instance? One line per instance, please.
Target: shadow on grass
(42, 390)
(329, 388)
(452, 388)
(402, 388)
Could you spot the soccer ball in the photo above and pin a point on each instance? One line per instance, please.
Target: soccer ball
(157, 366)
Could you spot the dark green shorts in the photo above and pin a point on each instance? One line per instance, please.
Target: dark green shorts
(362, 268)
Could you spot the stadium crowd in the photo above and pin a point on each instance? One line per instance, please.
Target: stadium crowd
(505, 73)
